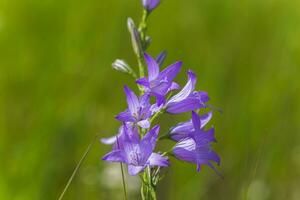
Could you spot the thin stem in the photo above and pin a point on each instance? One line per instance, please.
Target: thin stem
(123, 181)
(123, 177)
(77, 167)
(142, 31)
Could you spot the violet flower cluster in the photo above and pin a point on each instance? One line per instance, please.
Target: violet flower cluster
(135, 143)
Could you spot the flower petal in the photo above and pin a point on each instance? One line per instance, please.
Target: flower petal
(153, 68)
(151, 137)
(185, 155)
(150, 4)
(181, 130)
(185, 105)
(143, 81)
(186, 90)
(132, 100)
(174, 86)
(125, 116)
(170, 72)
(205, 119)
(161, 58)
(196, 121)
(115, 156)
(158, 160)
(134, 170)
(144, 123)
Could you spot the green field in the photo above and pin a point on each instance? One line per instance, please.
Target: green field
(57, 91)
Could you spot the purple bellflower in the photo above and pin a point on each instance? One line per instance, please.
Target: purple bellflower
(187, 99)
(150, 5)
(183, 129)
(138, 109)
(136, 153)
(158, 83)
(196, 148)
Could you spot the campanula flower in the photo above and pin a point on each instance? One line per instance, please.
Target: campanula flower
(150, 5)
(138, 154)
(196, 148)
(138, 109)
(183, 129)
(158, 83)
(187, 99)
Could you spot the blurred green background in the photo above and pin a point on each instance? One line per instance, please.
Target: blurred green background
(57, 90)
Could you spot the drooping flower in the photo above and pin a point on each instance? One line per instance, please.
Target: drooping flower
(196, 148)
(183, 129)
(157, 83)
(187, 99)
(138, 154)
(138, 109)
(150, 5)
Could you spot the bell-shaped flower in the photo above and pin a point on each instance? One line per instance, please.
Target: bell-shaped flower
(138, 109)
(136, 153)
(187, 99)
(183, 129)
(196, 148)
(158, 83)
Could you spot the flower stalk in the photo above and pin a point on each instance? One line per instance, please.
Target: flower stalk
(135, 143)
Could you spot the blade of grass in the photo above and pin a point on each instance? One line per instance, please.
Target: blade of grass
(77, 167)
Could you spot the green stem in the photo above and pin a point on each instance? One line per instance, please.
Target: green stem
(123, 181)
(77, 167)
(142, 31)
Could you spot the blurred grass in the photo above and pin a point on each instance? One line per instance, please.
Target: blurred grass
(58, 91)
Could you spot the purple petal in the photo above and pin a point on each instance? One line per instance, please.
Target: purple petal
(160, 99)
(155, 108)
(174, 86)
(134, 170)
(115, 156)
(181, 130)
(161, 58)
(158, 160)
(153, 68)
(187, 90)
(211, 155)
(203, 138)
(170, 72)
(186, 105)
(196, 121)
(205, 119)
(144, 123)
(125, 116)
(132, 100)
(151, 137)
(150, 4)
(188, 144)
(185, 155)
(145, 100)
(143, 81)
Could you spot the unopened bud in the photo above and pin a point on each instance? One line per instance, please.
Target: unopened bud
(122, 66)
(135, 37)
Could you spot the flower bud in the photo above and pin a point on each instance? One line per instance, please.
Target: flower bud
(122, 66)
(135, 37)
(150, 5)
